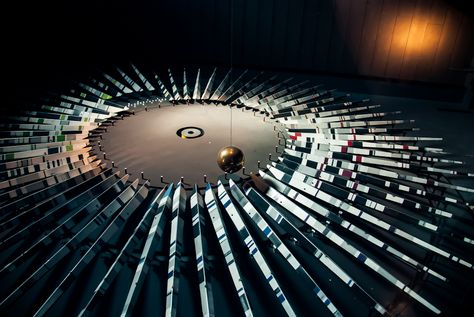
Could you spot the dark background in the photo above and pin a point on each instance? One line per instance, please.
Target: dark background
(48, 43)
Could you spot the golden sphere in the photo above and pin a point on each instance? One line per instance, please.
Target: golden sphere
(230, 159)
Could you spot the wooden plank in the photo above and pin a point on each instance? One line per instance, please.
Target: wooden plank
(294, 29)
(355, 25)
(438, 12)
(308, 34)
(427, 50)
(237, 14)
(384, 38)
(447, 42)
(222, 30)
(196, 7)
(429, 44)
(206, 27)
(413, 46)
(250, 31)
(338, 35)
(368, 38)
(460, 57)
(438, 16)
(265, 30)
(279, 32)
(399, 41)
(324, 33)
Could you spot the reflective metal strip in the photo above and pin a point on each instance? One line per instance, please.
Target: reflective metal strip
(254, 101)
(130, 81)
(316, 107)
(148, 85)
(219, 229)
(197, 86)
(185, 86)
(154, 233)
(74, 158)
(328, 198)
(253, 249)
(67, 247)
(46, 212)
(107, 88)
(207, 90)
(99, 104)
(120, 260)
(96, 92)
(400, 175)
(117, 224)
(330, 182)
(110, 185)
(340, 242)
(175, 250)
(117, 84)
(163, 89)
(230, 90)
(267, 101)
(218, 92)
(200, 245)
(313, 167)
(33, 193)
(286, 224)
(174, 88)
(280, 246)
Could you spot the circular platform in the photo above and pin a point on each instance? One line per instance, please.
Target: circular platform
(149, 141)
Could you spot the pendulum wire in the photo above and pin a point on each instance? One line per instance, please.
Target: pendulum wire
(231, 57)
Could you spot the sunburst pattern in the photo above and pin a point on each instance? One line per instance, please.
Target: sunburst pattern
(357, 216)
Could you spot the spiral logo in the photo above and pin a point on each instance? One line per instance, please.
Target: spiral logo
(190, 132)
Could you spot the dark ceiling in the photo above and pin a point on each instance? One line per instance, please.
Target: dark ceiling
(410, 40)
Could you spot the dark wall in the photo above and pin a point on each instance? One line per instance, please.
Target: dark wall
(418, 40)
